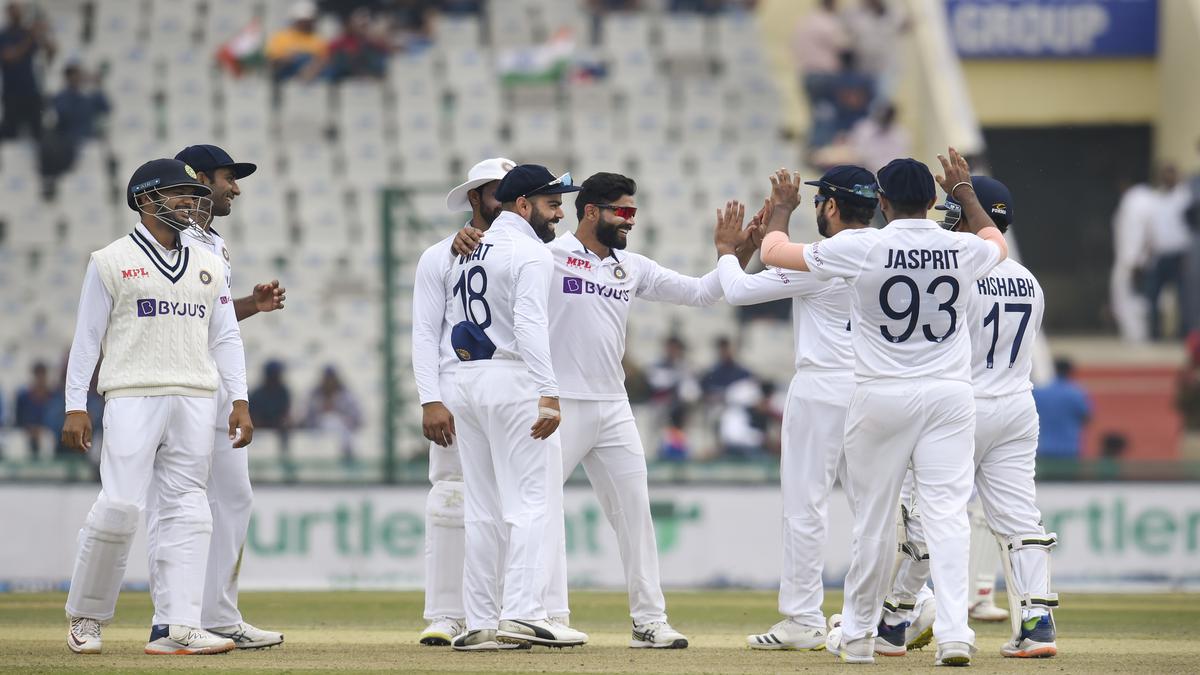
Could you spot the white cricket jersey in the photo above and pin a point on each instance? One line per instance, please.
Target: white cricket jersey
(433, 358)
(218, 248)
(820, 310)
(589, 311)
(1005, 314)
(503, 287)
(910, 284)
(155, 314)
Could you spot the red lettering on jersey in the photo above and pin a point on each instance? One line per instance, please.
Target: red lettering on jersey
(577, 262)
(134, 273)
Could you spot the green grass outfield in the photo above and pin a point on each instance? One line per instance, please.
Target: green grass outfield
(377, 631)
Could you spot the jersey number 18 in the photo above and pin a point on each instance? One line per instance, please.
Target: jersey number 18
(471, 286)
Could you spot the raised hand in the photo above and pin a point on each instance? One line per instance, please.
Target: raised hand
(466, 241)
(727, 235)
(785, 190)
(269, 297)
(955, 172)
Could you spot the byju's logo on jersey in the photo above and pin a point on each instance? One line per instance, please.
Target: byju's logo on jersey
(152, 307)
(577, 286)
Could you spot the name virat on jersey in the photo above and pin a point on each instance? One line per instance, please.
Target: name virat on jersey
(478, 254)
(915, 259)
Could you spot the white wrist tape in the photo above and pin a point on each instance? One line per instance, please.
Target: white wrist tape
(545, 413)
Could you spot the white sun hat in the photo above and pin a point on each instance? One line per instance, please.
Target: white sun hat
(482, 173)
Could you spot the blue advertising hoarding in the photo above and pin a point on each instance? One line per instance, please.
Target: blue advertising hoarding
(1054, 28)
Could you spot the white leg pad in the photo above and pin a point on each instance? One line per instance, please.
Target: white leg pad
(445, 554)
(1026, 559)
(103, 554)
(985, 556)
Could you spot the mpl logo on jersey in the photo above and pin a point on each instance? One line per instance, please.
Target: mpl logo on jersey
(577, 286)
(152, 307)
(578, 262)
(134, 273)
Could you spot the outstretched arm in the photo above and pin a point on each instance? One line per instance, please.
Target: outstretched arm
(777, 251)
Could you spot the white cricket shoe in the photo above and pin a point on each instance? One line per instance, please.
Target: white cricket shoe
(986, 610)
(483, 640)
(861, 650)
(657, 635)
(920, 632)
(789, 635)
(441, 631)
(84, 636)
(184, 640)
(540, 632)
(954, 654)
(246, 636)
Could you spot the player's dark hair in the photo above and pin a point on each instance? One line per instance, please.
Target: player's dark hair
(854, 212)
(909, 209)
(603, 188)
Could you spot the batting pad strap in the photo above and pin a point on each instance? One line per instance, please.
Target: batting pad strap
(1047, 600)
(1038, 540)
(912, 550)
(893, 605)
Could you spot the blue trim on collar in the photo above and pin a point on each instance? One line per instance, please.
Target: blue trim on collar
(173, 273)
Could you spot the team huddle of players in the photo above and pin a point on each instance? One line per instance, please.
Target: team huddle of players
(911, 388)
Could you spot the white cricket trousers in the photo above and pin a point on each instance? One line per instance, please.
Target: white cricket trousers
(890, 422)
(444, 545)
(1006, 435)
(167, 440)
(231, 502)
(509, 476)
(603, 435)
(814, 423)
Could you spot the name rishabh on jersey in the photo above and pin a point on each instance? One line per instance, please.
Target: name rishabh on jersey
(1005, 312)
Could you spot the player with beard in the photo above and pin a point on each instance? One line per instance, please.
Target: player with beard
(506, 414)
(594, 283)
(434, 363)
(815, 414)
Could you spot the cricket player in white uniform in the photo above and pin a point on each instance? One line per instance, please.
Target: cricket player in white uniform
(1004, 315)
(814, 416)
(590, 294)
(151, 306)
(434, 363)
(506, 411)
(909, 286)
(230, 496)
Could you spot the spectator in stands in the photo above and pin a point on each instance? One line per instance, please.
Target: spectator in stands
(78, 110)
(742, 426)
(1169, 243)
(636, 385)
(1131, 232)
(81, 105)
(876, 29)
(671, 380)
(726, 372)
(334, 410)
(358, 51)
(297, 51)
(853, 91)
(20, 45)
(1191, 263)
(271, 404)
(878, 139)
(675, 446)
(1063, 410)
(819, 40)
(32, 405)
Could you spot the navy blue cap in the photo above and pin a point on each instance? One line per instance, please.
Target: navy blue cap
(209, 158)
(907, 181)
(849, 182)
(158, 174)
(992, 194)
(525, 180)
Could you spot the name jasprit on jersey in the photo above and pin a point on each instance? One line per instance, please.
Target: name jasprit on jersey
(915, 259)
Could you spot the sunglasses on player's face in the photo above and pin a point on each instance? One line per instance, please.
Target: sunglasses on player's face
(622, 212)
